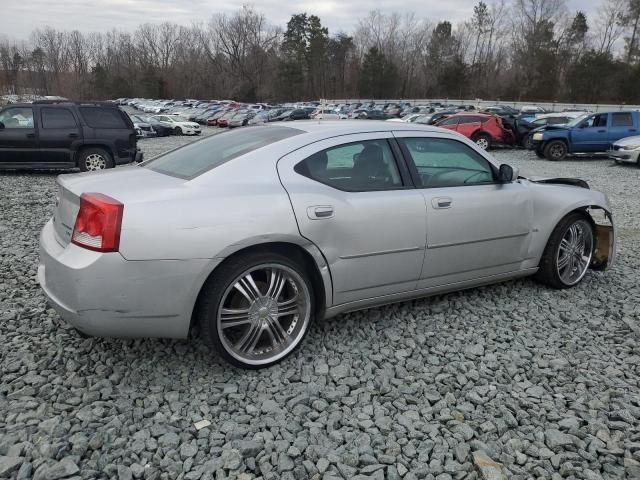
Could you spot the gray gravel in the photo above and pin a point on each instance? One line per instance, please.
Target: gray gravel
(508, 381)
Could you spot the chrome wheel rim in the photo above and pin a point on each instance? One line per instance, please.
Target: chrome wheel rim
(556, 151)
(575, 252)
(483, 143)
(264, 314)
(95, 161)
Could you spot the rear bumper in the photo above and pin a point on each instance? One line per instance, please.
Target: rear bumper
(627, 156)
(103, 294)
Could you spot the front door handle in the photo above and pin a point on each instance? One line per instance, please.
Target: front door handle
(73, 135)
(31, 135)
(318, 212)
(602, 131)
(441, 202)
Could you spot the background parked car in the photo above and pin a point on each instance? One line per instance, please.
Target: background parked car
(626, 150)
(589, 134)
(179, 124)
(51, 134)
(485, 130)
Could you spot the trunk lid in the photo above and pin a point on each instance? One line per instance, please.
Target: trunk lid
(125, 184)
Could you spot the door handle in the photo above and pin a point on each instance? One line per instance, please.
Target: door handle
(73, 135)
(31, 135)
(632, 130)
(441, 202)
(319, 212)
(602, 131)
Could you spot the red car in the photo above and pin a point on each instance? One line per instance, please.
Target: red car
(485, 130)
(223, 121)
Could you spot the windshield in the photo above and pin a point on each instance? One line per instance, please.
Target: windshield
(199, 157)
(576, 121)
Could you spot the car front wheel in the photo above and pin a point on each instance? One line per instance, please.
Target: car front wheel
(257, 309)
(555, 150)
(177, 131)
(568, 253)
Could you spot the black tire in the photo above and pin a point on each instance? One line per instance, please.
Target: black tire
(218, 290)
(539, 153)
(177, 131)
(482, 140)
(94, 159)
(555, 150)
(548, 272)
(527, 142)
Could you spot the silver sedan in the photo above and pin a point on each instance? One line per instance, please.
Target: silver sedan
(626, 150)
(255, 233)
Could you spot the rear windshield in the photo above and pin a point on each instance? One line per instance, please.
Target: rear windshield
(194, 159)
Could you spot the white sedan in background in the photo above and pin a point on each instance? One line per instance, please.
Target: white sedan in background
(626, 150)
(179, 125)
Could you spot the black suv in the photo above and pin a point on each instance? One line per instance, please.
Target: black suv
(52, 134)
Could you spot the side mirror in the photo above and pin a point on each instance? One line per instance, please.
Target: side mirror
(507, 174)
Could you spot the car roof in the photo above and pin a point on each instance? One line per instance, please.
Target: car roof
(346, 127)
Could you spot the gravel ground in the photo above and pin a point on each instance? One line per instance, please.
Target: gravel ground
(508, 381)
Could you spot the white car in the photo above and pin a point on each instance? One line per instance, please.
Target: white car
(179, 125)
(327, 114)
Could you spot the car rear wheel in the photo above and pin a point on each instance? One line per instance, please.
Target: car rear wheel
(257, 309)
(568, 253)
(555, 150)
(482, 140)
(177, 131)
(94, 159)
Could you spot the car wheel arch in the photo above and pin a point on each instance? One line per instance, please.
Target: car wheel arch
(600, 229)
(87, 146)
(309, 257)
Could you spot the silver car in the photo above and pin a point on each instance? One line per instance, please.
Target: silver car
(626, 150)
(256, 232)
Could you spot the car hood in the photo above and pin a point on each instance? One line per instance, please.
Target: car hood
(544, 128)
(635, 140)
(573, 182)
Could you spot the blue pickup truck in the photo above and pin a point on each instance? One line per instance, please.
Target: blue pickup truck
(590, 133)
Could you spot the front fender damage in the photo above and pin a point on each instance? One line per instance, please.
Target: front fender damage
(605, 240)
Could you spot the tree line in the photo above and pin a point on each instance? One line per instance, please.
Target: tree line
(527, 50)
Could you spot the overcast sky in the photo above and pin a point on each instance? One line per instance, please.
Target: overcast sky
(20, 17)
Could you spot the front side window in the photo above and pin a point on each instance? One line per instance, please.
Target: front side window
(441, 162)
(449, 121)
(199, 157)
(596, 121)
(363, 166)
(17, 117)
(622, 119)
(57, 118)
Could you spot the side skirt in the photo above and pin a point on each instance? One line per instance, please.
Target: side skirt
(425, 292)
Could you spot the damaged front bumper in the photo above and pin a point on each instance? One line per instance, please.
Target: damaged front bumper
(605, 248)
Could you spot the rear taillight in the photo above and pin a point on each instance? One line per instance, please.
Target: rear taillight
(98, 223)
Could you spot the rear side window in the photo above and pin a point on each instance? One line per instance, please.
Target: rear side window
(103, 117)
(199, 157)
(363, 166)
(622, 120)
(57, 118)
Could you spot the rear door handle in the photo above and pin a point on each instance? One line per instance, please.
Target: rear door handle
(632, 130)
(73, 135)
(441, 202)
(31, 135)
(318, 212)
(602, 131)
